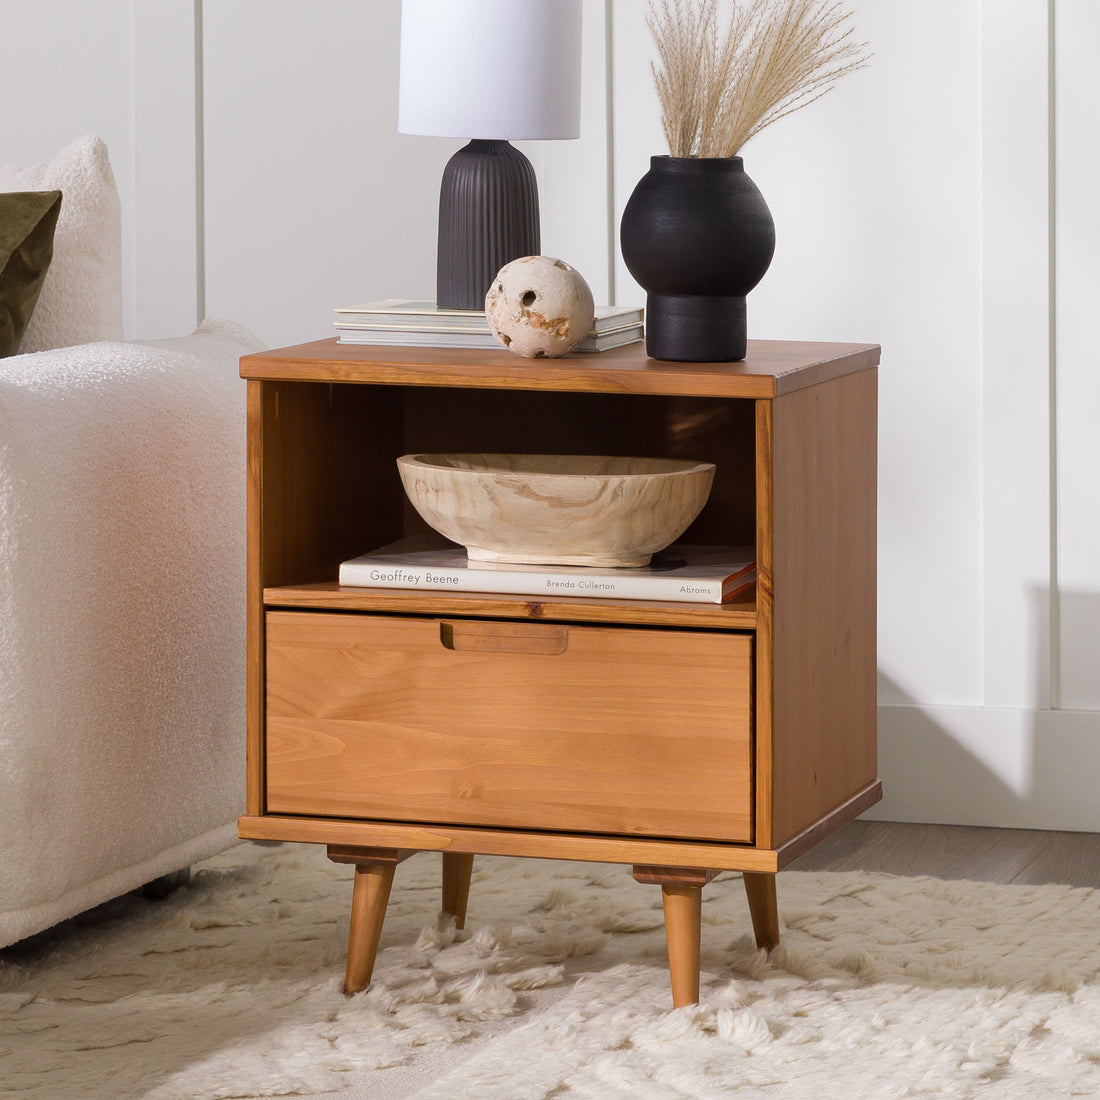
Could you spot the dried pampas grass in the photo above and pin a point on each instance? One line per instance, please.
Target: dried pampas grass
(719, 88)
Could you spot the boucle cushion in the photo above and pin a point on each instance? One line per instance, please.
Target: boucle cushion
(27, 223)
(121, 617)
(81, 298)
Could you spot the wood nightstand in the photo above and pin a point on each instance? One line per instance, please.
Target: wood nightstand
(679, 738)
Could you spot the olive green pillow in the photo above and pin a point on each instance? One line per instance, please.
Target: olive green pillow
(27, 223)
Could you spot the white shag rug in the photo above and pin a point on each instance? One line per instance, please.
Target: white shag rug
(883, 987)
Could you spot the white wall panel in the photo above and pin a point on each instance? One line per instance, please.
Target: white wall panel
(1016, 322)
(637, 134)
(993, 766)
(313, 200)
(1078, 363)
(876, 194)
(123, 70)
(167, 292)
(572, 175)
(913, 208)
(66, 71)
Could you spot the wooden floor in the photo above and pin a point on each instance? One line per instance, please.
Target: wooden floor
(961, 852)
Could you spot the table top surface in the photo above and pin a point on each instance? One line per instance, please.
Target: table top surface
(770, 369)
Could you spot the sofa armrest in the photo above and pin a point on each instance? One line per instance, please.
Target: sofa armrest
(122, 482)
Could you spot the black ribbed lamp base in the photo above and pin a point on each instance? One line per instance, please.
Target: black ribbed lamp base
(488, 216)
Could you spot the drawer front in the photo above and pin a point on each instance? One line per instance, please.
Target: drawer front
(520, 725)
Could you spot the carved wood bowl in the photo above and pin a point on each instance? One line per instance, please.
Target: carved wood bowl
(557, 509)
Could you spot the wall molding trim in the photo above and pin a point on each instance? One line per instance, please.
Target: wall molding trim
(164, 297)
(1006, 767)
(1019, 524)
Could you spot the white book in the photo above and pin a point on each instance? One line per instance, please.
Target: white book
(685, 574)
(396, 336)
(416, 314)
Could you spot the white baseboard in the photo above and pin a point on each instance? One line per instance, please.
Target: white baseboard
(1025, 769)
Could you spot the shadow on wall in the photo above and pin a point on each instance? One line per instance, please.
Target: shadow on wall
(998, 766)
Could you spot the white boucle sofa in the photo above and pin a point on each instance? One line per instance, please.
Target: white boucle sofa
(122, 471)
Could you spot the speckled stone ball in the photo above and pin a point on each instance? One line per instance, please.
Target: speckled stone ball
(539, 307)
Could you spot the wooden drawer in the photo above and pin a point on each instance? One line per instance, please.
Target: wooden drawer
(511, 724)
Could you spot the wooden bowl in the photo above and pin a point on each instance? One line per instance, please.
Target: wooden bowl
(557, 509)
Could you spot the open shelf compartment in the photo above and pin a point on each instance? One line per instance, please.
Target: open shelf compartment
(330, 482)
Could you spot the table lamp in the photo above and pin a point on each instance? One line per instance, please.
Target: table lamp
(489, 71)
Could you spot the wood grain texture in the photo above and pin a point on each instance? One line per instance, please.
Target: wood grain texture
(506, 842)
(770, 368)
(322, 485)
(738, 614)
(534, 509)
(624, 732)
(328, 487)
(309, 506)
(829, 823)
(457, 869)
(374, 872)
(683, 907)
(518, 842)
(492, 637)
(254, 605)
(370, 896)
(347, 853)
(672, 876)
(1064, 857)
(816, 603)
(381, 721)
(763, 742)
(695, 429)
(351, 497)
(763, 909)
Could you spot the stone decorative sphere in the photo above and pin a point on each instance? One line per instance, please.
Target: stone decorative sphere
(539, 307)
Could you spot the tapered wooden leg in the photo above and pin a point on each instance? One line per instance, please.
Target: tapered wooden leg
(683, 910)
(457, 868)
(368, 911)
(763, 908)
(374, 870)
(682, 894)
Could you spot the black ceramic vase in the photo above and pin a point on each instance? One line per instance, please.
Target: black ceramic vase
(698, 236)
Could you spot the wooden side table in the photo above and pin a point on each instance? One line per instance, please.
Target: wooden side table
(679, 738)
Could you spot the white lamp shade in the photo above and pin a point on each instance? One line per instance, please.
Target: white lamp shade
(490, 68)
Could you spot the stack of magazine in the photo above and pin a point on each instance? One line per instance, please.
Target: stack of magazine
(397, 321)
(689, 574)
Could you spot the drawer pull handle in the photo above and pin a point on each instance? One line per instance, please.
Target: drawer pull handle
(469, 637)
